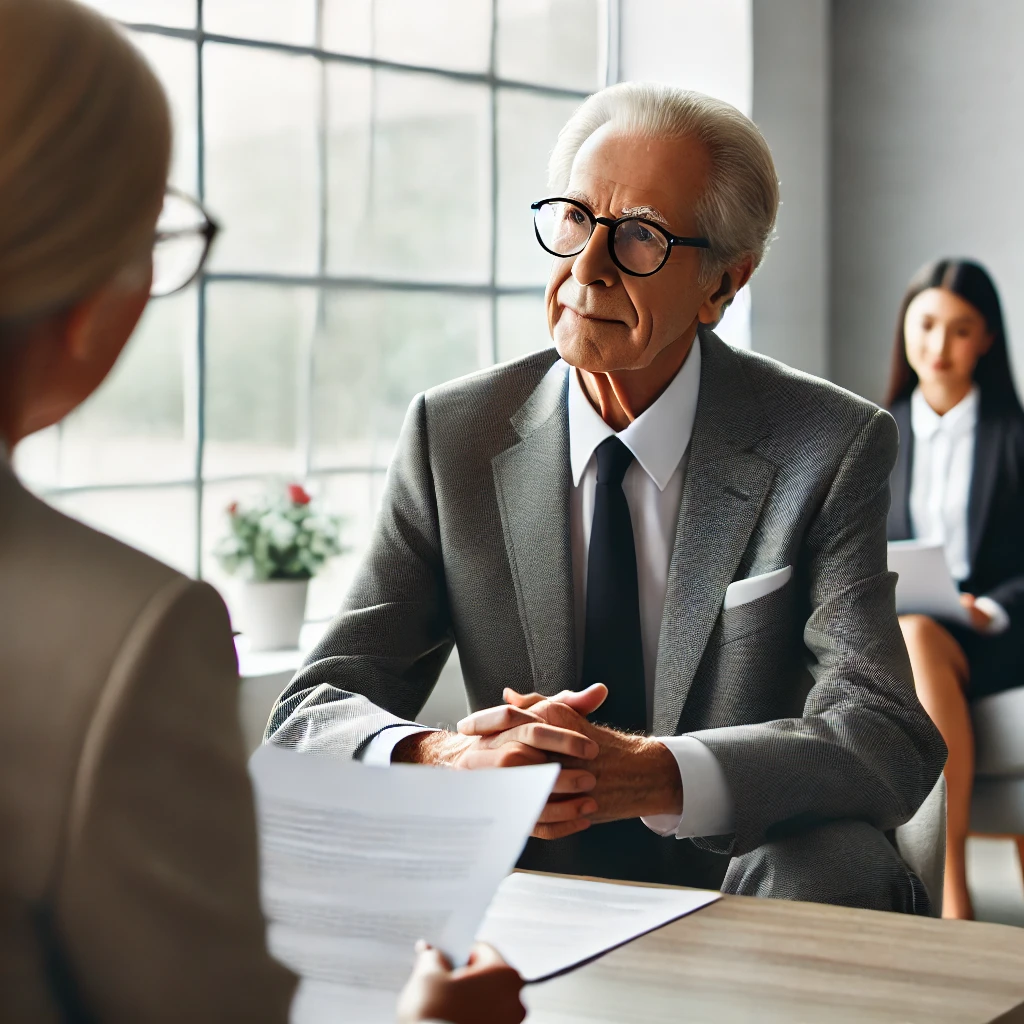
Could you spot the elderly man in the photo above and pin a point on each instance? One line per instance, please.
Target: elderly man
(684, 542)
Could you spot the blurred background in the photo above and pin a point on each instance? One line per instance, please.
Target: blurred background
(372, 163)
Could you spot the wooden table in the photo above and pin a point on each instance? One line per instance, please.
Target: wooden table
(750, 960)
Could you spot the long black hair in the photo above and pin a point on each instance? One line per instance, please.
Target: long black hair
(972, 283)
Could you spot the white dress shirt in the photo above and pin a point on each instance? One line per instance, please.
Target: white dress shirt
(653, 485)
(940, 486)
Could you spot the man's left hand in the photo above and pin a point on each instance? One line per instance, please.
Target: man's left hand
(636, 776)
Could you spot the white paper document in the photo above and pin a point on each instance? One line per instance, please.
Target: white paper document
(358, 862)
(925, 586)
(544, 925)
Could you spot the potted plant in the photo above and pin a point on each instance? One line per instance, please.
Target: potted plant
(277, 545)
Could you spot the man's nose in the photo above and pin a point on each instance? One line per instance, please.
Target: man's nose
(594, 265)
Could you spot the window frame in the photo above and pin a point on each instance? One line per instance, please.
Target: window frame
(321, 280)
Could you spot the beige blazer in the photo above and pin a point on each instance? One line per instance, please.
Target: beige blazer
(128, 862)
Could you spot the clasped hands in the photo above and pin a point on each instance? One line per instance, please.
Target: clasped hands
(606, 775)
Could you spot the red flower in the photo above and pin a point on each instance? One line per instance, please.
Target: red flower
(233, 508)
(297, 495)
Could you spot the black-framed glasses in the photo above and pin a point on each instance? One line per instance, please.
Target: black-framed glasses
(637, 246)
(184, 234)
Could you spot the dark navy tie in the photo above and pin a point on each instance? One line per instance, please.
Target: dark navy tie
(612, 650)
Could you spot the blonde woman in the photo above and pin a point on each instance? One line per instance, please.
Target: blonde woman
(128, 872)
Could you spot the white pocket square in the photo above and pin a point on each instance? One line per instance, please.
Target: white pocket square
(744, 591)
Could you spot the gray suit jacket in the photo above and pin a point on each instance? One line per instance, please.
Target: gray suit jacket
(805, 696)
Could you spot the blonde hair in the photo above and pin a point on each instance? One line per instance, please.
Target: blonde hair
(85, 140)
(741, 200)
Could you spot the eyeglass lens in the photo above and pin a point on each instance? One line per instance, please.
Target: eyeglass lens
(180, 245)
(564, 230)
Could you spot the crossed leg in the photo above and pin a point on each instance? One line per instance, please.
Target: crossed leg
(941, 674)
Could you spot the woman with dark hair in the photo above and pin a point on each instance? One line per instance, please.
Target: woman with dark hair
(959, 481)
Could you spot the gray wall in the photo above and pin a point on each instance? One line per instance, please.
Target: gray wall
(790, 105)
(927, 161)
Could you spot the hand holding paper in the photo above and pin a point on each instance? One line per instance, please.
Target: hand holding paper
(461, 996)
(358, 863)
(980, 619)
(925, 586)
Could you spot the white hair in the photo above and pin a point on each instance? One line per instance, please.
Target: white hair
(741, 199)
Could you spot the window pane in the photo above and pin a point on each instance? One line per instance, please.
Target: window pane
(348, 26)
(528, 126)
(354, 497)
(37, 459)
(442, 33)
(174, 61)
(409, 197)
(552, 42)
(282, 21)
(261, 163)
(522, 326)
(137, 427)
(377, 350)
(445, 33)
(160, 521)
(175, 13)
(257, 342)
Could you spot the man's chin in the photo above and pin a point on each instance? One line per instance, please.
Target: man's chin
(593, 355)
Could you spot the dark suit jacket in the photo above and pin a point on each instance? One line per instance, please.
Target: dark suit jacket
(995, 526)
(805, 696)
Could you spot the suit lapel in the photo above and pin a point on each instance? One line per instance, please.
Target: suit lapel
(899, 506)
(988, 442)
(725, 488)
(532, 480)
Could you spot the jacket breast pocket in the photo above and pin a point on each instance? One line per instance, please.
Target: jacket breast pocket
(773, 611)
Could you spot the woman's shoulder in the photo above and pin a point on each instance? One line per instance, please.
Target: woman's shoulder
(70, 594)
(60, 551)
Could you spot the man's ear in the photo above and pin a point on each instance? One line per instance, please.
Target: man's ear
(721, 294)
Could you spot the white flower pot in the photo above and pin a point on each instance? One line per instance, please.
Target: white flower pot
(271, 613)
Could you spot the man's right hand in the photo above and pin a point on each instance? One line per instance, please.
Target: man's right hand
(512, 743)
(485, 991)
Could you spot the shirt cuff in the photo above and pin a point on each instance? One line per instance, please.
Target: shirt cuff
(996, 612)
(707, 802)
(379, 750)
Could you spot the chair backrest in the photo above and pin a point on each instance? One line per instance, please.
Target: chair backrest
(922, 843)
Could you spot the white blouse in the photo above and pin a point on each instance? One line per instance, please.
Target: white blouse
(940, 486)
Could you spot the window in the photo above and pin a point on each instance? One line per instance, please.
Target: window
(372, 163)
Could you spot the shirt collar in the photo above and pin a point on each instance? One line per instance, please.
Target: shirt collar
(926, 422)
(658, 437)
